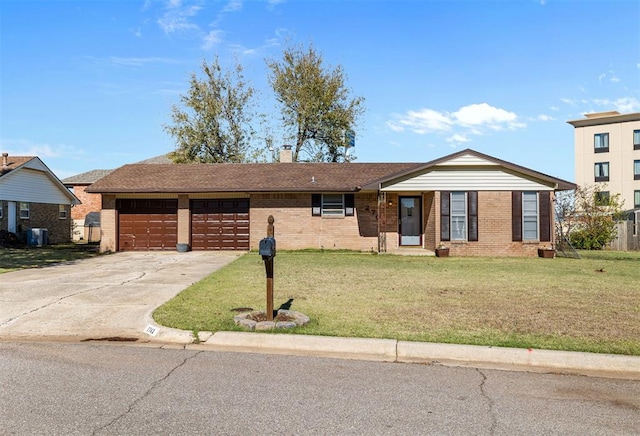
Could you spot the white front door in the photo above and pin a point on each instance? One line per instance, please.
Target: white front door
(11, 216)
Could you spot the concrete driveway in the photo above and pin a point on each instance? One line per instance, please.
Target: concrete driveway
(104, 297)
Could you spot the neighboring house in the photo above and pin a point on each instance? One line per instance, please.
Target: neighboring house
(32, 197)
(86, 216)
(474, 203)
(607, 156)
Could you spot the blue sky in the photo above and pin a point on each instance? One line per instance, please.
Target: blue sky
(89, 84)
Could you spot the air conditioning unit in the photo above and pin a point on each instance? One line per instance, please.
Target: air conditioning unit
(37, 237)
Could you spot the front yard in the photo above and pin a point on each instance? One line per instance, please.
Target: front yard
(12, 259)
(588, 304)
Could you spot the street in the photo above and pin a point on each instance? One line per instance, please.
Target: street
(104, 389)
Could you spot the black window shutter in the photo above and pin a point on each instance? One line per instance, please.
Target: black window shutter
(445, 221)
(349, 204)
(316, 204)
(516, 215)
(544, 198)
(472, 212)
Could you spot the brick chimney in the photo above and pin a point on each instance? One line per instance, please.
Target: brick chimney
(286, 154)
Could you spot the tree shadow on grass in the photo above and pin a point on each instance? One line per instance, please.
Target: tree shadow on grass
(38, 257)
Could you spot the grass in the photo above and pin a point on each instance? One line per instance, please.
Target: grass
(589, 304)
(12, 259)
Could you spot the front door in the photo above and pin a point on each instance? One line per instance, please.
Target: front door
(11, 216)
(410, 220)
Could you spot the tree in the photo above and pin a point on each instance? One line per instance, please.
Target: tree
(215, 123)
(316, 107)
(587, 217)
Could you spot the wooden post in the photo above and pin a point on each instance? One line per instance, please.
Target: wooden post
(268, 265)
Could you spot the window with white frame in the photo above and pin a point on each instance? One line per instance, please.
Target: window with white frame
(62, 211)
(24, 211)
(332, 205)
(458, 216)
(636, 139)
(601, 142)
(601, 171)
(530, 216)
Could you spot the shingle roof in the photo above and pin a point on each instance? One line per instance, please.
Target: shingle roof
(162, 159)
(86, 178)
(14, 162)
(262, 177)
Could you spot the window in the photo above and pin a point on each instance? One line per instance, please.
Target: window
(602, 198)
(458, 216)
(337, 205)
(602, 172)
(24, 211)
(601, 142)
(62, 211)
(1, 209)
(636, 198)
(636, 139)
(530, 216)
(636, 170)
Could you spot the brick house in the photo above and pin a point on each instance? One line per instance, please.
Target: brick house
(32, 197)
(473, 203)
(86, 215)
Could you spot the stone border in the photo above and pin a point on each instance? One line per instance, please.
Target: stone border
(299, 319)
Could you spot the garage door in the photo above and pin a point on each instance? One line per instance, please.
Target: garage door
(147, 224)
(221, 224)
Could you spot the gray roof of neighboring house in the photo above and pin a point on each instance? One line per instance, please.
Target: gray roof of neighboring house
(94, 175)
(86, 178)
(162, 159)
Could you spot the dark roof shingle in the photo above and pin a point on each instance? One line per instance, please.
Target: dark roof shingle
(260, 177)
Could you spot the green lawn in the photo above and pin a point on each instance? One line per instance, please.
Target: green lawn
(12, 259)
(588, 304)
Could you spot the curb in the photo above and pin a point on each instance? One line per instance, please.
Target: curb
(390, 350)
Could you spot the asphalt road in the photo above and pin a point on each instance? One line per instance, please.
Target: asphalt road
(104, 389)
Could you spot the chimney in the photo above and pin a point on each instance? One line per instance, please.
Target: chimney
(5, 163)
(286, 154)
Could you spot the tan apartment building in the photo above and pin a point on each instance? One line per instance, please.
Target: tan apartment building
(607, 155)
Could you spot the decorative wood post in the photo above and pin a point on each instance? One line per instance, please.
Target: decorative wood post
(268, 265)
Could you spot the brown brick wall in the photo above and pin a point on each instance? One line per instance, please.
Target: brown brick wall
(46, 216)
(108, 224)
(494, 230)
(184, 219)
(295, 228)
(90, 203)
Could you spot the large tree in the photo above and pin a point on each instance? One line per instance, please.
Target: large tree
(318, 112)
(214, 123)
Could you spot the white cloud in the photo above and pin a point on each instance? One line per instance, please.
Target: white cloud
(138, 62)
(484, 114)
(622, 105)
(212, 39)
(232, 6)
(543, 117)
(421, 122)
(458, 139)
(177, 17)
(474, 119)
(23, 147)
